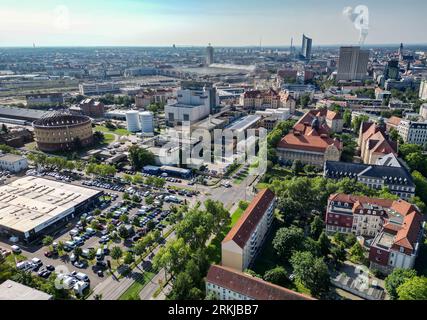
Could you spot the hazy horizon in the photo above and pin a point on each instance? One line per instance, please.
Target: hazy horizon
(195, 23)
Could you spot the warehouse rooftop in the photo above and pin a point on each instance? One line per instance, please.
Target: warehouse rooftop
(34, 203)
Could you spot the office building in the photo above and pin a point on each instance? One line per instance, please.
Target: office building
(242, 244)
(228, 284)
(210, 55)
(393, 228)
(392, 70)
(306, 47)
(194, 102)
(353, 64)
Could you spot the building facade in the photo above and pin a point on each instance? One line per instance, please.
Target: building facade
(45, 99)
(397, 179)
(260, 99)
(423, 90)
(374, 142)
(395, 228)
(92, 108)
(353, 64)
(243, 242)
(63, 132)
(13, 163)
(413, 132)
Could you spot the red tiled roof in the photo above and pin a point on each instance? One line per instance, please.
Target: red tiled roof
(394, 121)
(309, 142)
(406, 234)
(249, 286)
(243, 229)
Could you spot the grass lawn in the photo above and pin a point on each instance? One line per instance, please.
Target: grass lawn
(120, 132)
(108, 138)
(236, 216)
(214, 249)
(261, 186)
(267, 258)
(134, 290)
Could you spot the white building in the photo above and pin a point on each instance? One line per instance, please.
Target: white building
(423, 90)
(423, 111)
(13, 163)
(353, 64)
(242, 244)
(413, 132)
(194, 102)
(87, 89)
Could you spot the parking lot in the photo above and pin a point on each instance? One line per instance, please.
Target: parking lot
(141, 218)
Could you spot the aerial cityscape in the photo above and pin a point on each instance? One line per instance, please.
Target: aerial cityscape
(213, 150)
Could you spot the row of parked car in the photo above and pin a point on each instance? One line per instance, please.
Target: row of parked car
(35, 265)
(104, 185)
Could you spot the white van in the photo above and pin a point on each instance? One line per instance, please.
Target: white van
(99, 254)
(68, 283)
(74, 232)
(80, 287)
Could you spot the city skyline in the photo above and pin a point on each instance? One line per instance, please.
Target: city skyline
(191, 23)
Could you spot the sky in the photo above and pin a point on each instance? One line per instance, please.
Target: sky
(199, 22)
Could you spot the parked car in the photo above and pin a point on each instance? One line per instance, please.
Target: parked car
(16, 249)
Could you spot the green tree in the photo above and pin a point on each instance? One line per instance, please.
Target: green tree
(413, 289)
(297, 167)
(338, 253)
(312, 272)
(116, 253)
(396, 279)
(357, 253)
(277, 276)
(347, 118)
(140, 157)
(128, 258)
(47, 241)
(316, 227)
(288, 240)
(357, 122)
(325, 244)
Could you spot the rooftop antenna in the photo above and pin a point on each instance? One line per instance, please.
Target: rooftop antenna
(292, 45)
(260, 43)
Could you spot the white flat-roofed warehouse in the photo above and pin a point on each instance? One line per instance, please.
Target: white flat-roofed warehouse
(29, 206)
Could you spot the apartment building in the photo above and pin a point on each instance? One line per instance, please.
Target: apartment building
(260, 99)
(243, 242)
(413, 132)
(228, 284)
(394, 228)
(92, 108)
(144, 99)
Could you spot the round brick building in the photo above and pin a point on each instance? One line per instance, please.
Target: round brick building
(63, 132)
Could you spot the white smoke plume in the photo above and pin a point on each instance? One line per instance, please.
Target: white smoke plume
(359, 16)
